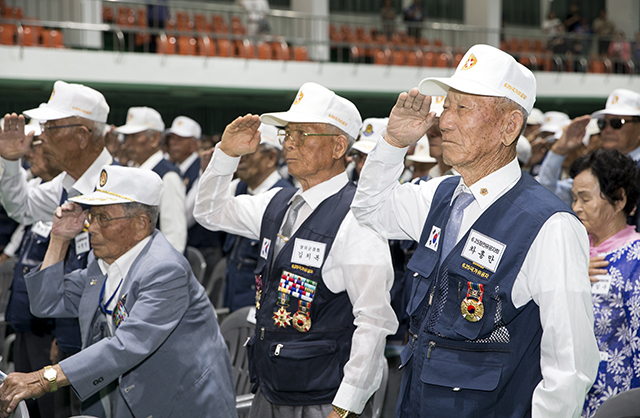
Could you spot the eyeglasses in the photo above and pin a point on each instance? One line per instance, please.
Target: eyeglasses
(43, 127)
(357, 157)
(102, 219)
(615, 123)
(296, 136)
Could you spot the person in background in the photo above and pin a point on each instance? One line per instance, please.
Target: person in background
(414, 16)
(388, 16)
(142, 137)
(369, 134)
(603, 28)
(606, 187)
(435, 140)
(421, 161)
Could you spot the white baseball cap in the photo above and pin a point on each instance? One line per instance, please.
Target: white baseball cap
(317, 104)
(536, 117)
(33, 126)
(437, 105)
(554, 121)
(185, 127)
(72, 100)
(119, 184)
(140, 119)
(621, 102)
(269, 136)
(421, 153)
(372, 129)
(523, 150)
(487, 71)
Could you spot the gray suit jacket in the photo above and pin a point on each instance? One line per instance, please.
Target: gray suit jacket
(167, 355)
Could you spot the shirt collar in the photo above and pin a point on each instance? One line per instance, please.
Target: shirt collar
(153, 160)
(120, 268)
(186, 164)
(266, 184)
(489, 188)
(317, 194)
(635, 154)
(87, 182)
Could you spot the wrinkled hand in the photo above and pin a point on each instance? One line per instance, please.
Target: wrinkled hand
(597, 266)
(539, 148)
(241, 136)
(571, 136)
(19, 386)
(68, 221)
(14, 144)
(409, 119)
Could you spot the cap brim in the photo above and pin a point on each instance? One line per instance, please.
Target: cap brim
(132, 129)
(618, 111)
(419, 159)
(179, 132)
(284, 118)
(364, 147)
(45, 113)
(98, 198)
(435, 86)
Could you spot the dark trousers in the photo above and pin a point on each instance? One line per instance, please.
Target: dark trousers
(66, 402)
(31, 353)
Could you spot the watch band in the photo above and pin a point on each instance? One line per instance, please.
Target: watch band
(343, 413)
(50, 374)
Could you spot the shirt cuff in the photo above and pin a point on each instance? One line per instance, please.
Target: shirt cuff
(11, 168)
(555, 159)
(387, 153)
(222, 163)
(351, 398)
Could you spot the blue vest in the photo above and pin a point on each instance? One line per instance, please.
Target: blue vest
(487, 368)
(191, 175)
(295, 367)
(242, 258)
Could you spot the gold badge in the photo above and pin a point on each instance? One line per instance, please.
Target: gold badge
(484, 191)
(282, 318)
(369, 130)
(297, 100)
(472, 308)
(103, 178)
(301, 321)
(471, 61)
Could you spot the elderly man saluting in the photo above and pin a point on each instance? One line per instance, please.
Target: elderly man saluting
(151, 345)
(500, 308)
(323, 280)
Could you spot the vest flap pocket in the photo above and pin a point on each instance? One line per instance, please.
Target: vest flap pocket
(302, 350)
(457, 374)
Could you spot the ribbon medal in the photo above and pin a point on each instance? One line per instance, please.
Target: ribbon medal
(298, 287)
(471, 307)
(120, 312)
(258, 290)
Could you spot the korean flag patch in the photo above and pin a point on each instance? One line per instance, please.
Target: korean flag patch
(434, 239)
(264, 251)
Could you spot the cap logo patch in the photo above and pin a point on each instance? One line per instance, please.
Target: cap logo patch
(614, 100)
(130, 116)
(471, 61)
(368, 131)
(53, 93)
(103, 178)
(298, 98)
(439, 99)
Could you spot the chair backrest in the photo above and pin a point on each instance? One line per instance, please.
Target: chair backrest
(197, 262)
(236, 329)
(215, 285)
(623, 405)
(21, 411)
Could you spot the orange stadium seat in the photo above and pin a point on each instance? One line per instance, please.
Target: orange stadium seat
(300, 53)
(205, 46)
(7, 34)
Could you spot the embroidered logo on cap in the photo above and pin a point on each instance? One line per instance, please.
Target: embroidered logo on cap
(368, 131)
(53, 93)
(439, 99)
(471, 61)
(103, 178)
(614, 100)
(297, 100)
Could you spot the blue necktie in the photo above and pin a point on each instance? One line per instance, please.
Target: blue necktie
(455, 220)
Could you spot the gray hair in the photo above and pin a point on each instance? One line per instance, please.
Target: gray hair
(97, 131)
(507, 104)
(337, 131)
(136, 208)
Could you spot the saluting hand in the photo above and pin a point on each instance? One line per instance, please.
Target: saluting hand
(14, 144)
(571, 136)
(241, 136)
(409, 119)
(68, 221)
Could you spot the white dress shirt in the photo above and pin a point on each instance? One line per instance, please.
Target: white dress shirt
(28, 205)
(190, 199)
(358, 263)
(554, 273)
(173, 213)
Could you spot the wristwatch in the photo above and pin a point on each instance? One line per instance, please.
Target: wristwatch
(50, 374)
(343, 413)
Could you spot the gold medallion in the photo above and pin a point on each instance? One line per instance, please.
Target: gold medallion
(282, 318)
(301, 321)
(472, 309)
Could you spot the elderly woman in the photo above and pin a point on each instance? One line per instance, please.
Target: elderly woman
(605, 191)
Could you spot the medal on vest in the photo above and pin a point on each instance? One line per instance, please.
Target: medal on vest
(258, 290)
(301, 320)
(282, 317)
(471, 307)
(120, 312)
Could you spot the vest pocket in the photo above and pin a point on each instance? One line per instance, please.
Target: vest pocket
(460, 375)
(291, 364)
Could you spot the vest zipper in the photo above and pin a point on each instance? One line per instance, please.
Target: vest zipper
(475, 349)
(414, 337)
(433, 290)
(277, 350)
(431, 345)
(262, 333)
(459, 289)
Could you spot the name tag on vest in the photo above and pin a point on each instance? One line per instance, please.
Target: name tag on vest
(309, 253)
(42, 229)
(82, 243)
(483, 250)
(602, 286)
